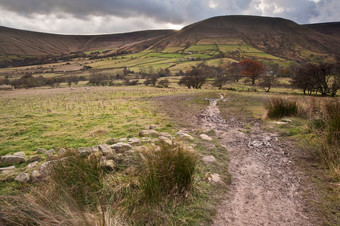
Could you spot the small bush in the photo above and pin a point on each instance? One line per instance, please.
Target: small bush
(278, 108)
(168, 172)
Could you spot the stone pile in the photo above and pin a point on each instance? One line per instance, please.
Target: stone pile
(114, 149)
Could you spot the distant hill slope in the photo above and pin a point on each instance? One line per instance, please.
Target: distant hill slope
(21, 42)
(261, 35)
(276, 36)
(332, 29)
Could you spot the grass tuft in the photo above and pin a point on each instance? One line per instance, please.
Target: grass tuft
(168, 172)
(278, 108)
(332, 115)
(80, 178)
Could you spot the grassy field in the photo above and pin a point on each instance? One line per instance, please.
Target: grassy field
(62, 118)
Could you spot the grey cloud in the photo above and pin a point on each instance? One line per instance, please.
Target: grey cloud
(149, 14)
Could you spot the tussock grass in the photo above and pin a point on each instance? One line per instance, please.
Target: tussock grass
(168, 172)
(278, 108)
(332, 118)
(325, 121)
(79, 192)
(78, 178)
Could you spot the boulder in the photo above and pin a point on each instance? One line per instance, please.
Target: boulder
(165, 140)
(205, 137)
(186, 136)
(165, 134)
(84, 151)
(20, 154)
(148, 133)
(32, 165)
(124, 139)
(34, 158)
(134, 141)
(22, 177)
(215, 178)
(104, 147)
(121, 147)
(209, 159)
(107, 151)
(107, 164)
(41, 150)
(95, 149)
(112, 141)
(7, 168)
(46, 167)
(35, 175)
(49, 153)
(11, 159)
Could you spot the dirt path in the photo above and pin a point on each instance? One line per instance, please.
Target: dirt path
(265, 190)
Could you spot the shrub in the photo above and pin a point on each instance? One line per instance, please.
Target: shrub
(168, 172)
(278, 108)
(163, 83)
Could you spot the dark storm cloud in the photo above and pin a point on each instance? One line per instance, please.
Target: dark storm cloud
(122, 15)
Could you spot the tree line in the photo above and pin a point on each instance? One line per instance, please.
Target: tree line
(311, 78)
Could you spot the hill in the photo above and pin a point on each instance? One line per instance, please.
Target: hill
(272, 40)
(21, 42)
(276, 36)
(332, 29)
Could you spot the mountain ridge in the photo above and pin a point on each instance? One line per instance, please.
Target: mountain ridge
(276, 36)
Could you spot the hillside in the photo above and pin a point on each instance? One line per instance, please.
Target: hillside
(276, 36)
(271, 40)
(20, 42)
(332, 29)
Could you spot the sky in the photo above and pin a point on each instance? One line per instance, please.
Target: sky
(116, 16)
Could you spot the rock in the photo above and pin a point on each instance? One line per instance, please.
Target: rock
(108, 152)
(205, 137)
(95, 149)
(34, 158)
(62, 151)
(121, 147)
(124, 139)
(280, 123)
(32, 165)
(11, 159)
(209, 159)
(107, 164)
(186, 136)
(148, 133)
(46, 167)
(41, 150)
(7, 168)
(112, 141)
(35, 175)
(145, 140)
(22, 177)
(49, 153)
(104, 147)
(286, 120)
(215, 178)
(165, 140)
(84, 151)
(134, 141)
(20, 154)
(166, 134)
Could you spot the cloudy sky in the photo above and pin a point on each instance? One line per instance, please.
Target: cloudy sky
(113, 16)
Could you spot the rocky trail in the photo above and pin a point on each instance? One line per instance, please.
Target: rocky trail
(265, 188)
